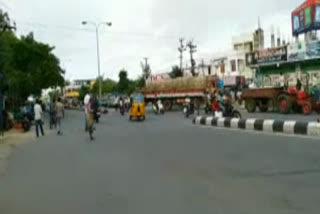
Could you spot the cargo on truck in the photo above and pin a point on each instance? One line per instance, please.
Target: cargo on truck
(175, 91)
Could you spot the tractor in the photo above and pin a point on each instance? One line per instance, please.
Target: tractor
(281, 99)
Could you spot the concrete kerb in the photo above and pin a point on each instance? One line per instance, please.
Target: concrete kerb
(269, 126)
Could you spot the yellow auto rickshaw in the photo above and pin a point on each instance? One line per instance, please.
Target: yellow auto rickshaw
(138, 108)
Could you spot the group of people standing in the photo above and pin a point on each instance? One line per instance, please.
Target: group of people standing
(56, 112)
(124, 104)
(218, 101)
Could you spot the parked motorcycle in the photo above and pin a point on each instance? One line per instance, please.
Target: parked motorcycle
(26, 124)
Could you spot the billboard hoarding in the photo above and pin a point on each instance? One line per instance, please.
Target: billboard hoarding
(306, 17)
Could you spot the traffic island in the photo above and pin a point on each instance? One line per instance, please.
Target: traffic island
(260, 125)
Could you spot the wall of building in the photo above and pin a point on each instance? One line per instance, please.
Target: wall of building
(234, 65)
(307, 73)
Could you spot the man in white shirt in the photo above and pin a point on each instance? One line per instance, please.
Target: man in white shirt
(86, 103)
(127, 103)
(38, 118)
(281, 80)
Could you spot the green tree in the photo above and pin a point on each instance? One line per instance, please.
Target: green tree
(176, 72)
(140, 82)
(5, 22)
(83, 91)
(108, 86)
(123, 84)
(29, 65)
(34, 67)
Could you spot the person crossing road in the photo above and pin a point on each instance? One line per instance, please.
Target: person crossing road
(90, 118)
(59, 114)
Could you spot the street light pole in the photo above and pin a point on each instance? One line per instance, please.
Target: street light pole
(98, 58)
(98, 50)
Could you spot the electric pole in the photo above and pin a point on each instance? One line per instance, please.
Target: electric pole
(192, 50)
(146, 60)
(202, 66)
(145, 68)
(181, 49)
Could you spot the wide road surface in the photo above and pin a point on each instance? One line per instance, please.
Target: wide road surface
(163, 165)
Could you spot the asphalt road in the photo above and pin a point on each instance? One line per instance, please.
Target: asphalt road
(163, 165)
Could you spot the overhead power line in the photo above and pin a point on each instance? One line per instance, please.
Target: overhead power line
(72, 28)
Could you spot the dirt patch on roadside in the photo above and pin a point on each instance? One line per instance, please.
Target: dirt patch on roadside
(11, 140)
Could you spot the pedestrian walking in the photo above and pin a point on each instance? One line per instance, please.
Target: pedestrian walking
(52, 112)
(90, 118)
(127, 104)
(38, 118)
(86, 103)
(95, 108)
(59, 115)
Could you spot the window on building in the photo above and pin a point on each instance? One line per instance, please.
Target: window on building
(241, 67)
(222, 68)
(233, 65)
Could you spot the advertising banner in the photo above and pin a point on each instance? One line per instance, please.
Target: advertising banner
(297, 51)
(276, 80)
(306, 17)
(230, 80)
(304, 51)
(313, 50)
(158, 77)
(269, 55)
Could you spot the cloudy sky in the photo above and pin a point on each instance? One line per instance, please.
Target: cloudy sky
(142, 28)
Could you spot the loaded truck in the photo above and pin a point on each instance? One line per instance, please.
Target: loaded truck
(175, 91)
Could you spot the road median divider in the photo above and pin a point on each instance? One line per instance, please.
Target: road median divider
(261, 125)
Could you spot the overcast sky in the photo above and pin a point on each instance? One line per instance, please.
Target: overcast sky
(142, 28)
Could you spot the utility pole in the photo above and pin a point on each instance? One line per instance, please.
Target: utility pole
(97, 25)
(192, 50)
(181, 49)
(202, 66)
(145, 68)
(146, 61)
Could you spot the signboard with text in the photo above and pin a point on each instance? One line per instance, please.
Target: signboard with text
(270, 55)
(158, 77)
